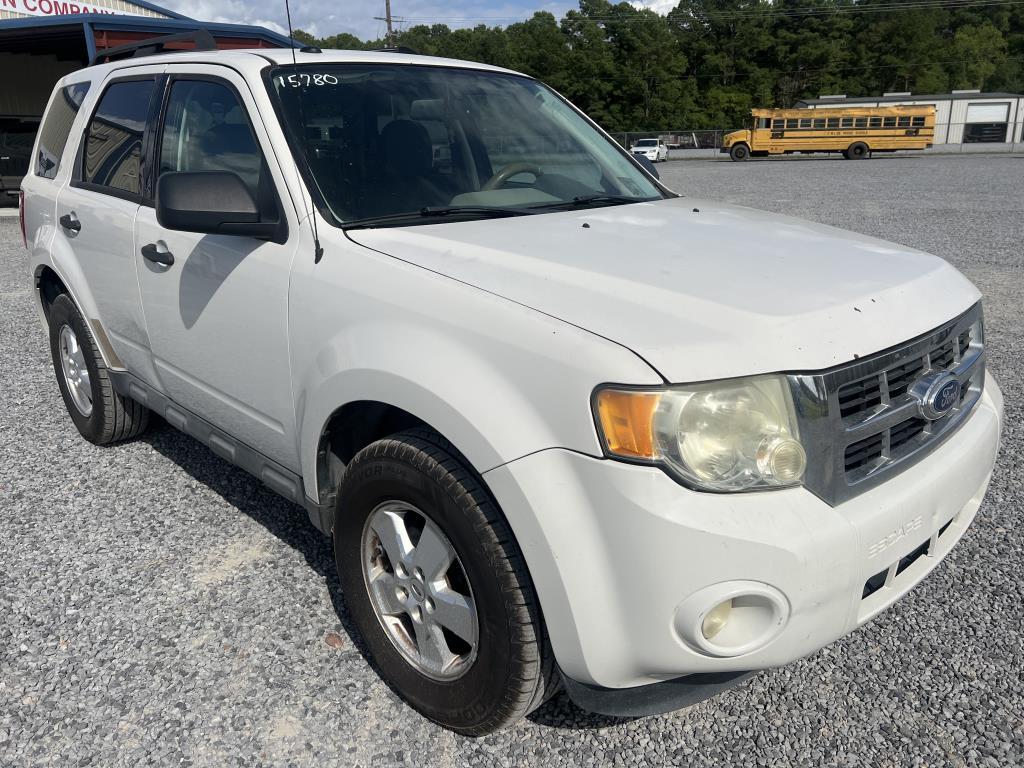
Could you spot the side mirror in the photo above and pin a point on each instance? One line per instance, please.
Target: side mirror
(211, 202)
(648, 165)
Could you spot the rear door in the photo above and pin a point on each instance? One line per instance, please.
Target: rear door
(96, 211)
(218, 316)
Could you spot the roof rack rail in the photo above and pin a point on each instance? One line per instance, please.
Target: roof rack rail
(201, 38)
(395, 49)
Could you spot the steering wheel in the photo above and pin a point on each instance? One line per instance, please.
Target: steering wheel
(510, 170)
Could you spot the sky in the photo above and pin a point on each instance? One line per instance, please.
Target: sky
(329, 17)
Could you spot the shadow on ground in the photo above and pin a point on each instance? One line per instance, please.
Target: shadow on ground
(289, 523)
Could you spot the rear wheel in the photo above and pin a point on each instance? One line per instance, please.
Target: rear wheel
(101, 415)
(437, 586)
(857, 151)
(739, 152)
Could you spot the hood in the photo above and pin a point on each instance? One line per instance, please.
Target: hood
(700, 290)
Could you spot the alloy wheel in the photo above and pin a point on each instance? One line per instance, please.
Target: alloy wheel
(76, 372)
(419, 590)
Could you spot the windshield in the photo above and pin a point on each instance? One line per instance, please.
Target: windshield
(384, 140)
(647, 143)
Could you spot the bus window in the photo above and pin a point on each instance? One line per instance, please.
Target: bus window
(919, 122)
(847, 122)
(805, 122)
(791, 123)
(778, 124)
(833, 122)
(862, 122)
(903, 122)
(876, 122)
(764, 122)
(890, 122)
(819, 122)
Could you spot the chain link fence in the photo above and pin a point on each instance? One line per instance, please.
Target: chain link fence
(681, 144)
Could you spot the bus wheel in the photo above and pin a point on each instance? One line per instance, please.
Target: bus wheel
(739, 152)
(857, 151)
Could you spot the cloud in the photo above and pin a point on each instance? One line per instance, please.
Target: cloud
(328, 17)
(658, 6)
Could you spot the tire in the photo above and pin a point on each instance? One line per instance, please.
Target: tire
(101, 415)
(857, 151)
(739, 152)
(417, 482)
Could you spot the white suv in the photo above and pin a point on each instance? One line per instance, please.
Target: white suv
(652, 149)
(564, 425)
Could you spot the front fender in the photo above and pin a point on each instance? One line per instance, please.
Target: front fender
(495, 378)
(736, 137)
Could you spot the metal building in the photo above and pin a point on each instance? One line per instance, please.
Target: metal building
(43, 40)
(961, 117)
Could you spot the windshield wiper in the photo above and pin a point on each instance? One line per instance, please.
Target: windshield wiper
(396, 219)
(579, 202)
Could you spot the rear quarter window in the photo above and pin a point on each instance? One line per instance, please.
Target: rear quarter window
(56, 128)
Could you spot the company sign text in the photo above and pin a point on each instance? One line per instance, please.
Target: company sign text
(55, 8)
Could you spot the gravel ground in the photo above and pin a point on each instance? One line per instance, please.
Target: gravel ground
(158, 606)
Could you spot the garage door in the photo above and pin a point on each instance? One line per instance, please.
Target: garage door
(988, 113)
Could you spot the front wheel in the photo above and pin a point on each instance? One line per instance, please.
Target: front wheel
(437, 586)
(739, 152)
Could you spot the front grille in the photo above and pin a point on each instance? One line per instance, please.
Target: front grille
(860, 396)
(870, 450)
(861, 420)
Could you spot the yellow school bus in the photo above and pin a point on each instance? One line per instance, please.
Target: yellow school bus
(854, 131)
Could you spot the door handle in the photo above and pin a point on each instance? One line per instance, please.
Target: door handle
(70, 222)
(154, 254)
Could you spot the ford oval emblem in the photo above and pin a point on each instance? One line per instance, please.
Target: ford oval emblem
(936, 394)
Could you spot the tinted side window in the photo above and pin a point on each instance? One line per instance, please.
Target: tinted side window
(113, 140)
(207, 129)
(53, 135)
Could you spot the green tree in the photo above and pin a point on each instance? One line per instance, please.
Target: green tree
(709, 62)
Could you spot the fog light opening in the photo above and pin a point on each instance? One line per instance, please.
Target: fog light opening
(716, 619)
(731, 618)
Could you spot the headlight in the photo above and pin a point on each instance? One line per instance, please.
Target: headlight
(734, 435)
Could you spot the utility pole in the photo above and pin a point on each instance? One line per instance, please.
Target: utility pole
(389, 38)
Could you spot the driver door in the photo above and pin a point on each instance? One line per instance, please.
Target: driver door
(218, 315)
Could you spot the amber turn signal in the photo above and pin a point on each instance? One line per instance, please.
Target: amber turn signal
(627, 422)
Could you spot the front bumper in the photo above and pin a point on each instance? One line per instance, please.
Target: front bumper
(615, 550)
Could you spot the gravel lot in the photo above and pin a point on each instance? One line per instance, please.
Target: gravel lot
(158, 606)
